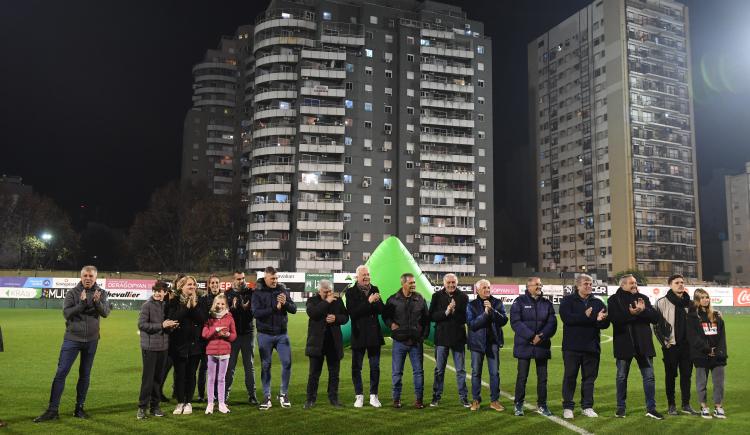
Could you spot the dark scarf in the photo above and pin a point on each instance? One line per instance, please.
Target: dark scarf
(680, 314)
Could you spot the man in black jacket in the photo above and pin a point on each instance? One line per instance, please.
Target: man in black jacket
(448, 311)
(238, 300)
(324, 341)
(407, 315)
(632, 315)
(364, 304)
(583, 316)
(83, 307)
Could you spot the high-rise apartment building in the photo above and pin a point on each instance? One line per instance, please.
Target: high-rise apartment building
(612, 126)
(738, 226)
(356, 121)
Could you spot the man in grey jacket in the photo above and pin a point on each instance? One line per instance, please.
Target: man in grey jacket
(83, 307)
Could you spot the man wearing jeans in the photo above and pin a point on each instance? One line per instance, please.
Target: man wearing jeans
(83, 306)
(407, 315)
(631, 314)
(239, 299)
(448, 311)
(270, 304)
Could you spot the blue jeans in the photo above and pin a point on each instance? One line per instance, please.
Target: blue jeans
(441, 359)
(493, 365)
(358, 356)
(646, 365)
(400, 350)
(266, 345)
(68, 354)
(244, 344)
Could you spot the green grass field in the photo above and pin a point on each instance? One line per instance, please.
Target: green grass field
(33, 338)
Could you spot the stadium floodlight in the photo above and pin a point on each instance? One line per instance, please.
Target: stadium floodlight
(46, 237)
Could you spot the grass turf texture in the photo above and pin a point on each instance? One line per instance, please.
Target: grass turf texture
(33, 338)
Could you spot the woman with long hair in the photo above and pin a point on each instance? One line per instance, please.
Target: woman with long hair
(708, 350)
(213, 290)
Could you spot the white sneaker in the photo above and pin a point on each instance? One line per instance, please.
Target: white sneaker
(359, 401)
(187, 409)
(374, 401)
(223, 408)
(568, 414)
(589, 412)
(210, 408)
(178, 409)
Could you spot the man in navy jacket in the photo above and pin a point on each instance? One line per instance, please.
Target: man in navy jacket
(532, 318)
(583, 316)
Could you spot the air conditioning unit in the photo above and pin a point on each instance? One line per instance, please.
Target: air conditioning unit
(417, 236)
(417, 164)
(365, 183)
(386, 169)
(388, 187)
(383, 149)
(409, 151)
(346, 241)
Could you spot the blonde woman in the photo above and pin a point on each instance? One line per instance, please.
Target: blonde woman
(708, 350)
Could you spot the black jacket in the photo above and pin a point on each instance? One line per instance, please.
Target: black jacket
(82, 317)
(243, 318)
(263, 304)
(581, 332)
(449, 330)
(529, 317)
(186, 339)
(411, 316)
(631, 333)
(366, 330)
(703, 335)
(317, 326)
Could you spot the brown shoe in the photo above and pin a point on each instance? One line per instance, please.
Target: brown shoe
(397, 404)
(497, 406)
(474, 405)
(418, 404)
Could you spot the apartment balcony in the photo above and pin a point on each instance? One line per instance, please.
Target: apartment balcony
(215, 101)
(220, 179)
(276, 58)
(321, 205)
(321, 167)
(323, 245)
(446, 230)
(324, 91)
(444, 248)
(333, 110)
(446, 87)
(224, 128)
(438, 34)
(268, 226)
(222, 191)
(323, 54)
(269, 206)
(223, 166)
(447, 175)
(274, 113)
(446, 157)
(262, 264)
(220, 140)
(298, 22)
(274, 95)
(447, 121)
(453, 51)
(213, 77)
(271, 188)
(318, 265)
(321, 186)
(228, 92)
(446, 193)
(282, 40)
(444, 103)
(271, 151)
(465, 139)
(352, 40)
(446, 69)
(274, 130)
(272, 169)
(337, 73)
(275, 77)
(320, 148)
(322, 129)
(257, 245)
(447, 211)
(320, 226)
(447, 268)
(228, 67)
(220, 153)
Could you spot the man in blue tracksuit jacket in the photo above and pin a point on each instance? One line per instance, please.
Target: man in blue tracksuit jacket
(532, 318)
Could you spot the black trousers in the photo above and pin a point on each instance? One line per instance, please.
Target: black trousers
(168, 363)
(588, 364)
(541, 380)
(184, 373)
(151, 380)
(677, 359)
(331, 356)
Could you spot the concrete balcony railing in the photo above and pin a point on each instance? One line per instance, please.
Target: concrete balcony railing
(447, 211)
(448, 268)
(465, 139)
(199, 67)
(262, 264)
(324, 91)
(321, 186)
(276, 58)
(318, 265)
(438, 34)
(275, 95)
(285, 22)
(337, 110)
(282, 40)
(446, 103)
(322, 129)
(323, 54)
(275, 77)
(321, 167)
(447, 121)
(274, 113)
(447, 248)
(324, 73)
(200, 76)
(272, 169)
(446, 230)
(321, 205)
(446, 87)
(320, 226)
(446, 193)
(271, 187)
(258, 245)
(268, 226)
(272, 130)
(446, 157)
(321, 148)
(447, 175)
(269, 206)
(271, 151)
(446, 69)
(459, 52)
(324, 245)
(354, 40)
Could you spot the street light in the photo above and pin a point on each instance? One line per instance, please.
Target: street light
(46, 237)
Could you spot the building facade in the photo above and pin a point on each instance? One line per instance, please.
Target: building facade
(611, 121)
(737, 256)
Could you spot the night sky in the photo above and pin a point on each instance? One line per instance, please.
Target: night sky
(93, 95)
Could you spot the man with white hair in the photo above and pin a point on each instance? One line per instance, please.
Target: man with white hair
(84, 305)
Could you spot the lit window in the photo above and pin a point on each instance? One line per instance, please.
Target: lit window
(373, 19)
(349, 104)
(347, 178)
(410, 75)
(368, 52)
(327, 16)
(367, 199)
(347, 140)
(368, 107)
(480, 49)
(349, 67)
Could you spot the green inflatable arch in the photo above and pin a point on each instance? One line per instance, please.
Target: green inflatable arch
(387, 263)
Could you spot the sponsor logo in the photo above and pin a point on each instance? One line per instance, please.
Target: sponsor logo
(505, 289)
(742, 296)
(7, 281)
(19, 293)
(54, 293)
(128, 295)
(38, 282)
(130, 284)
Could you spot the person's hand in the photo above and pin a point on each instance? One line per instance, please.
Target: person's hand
(83, 295)
(394, 326)
(97, 295)
(536, 340)
(588, 311)
(601, 316)
(224, 332)
(234, 303)
(373, 297)
(712, 352)
(168, 324)
(281, 298)
(330, 297)
(452, 305)
(246, 305)
(487, 307)
(192, 301)
(330, 318)
(640, 305)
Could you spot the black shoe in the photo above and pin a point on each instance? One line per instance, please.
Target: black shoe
(141, 414)
(164, 398)
(157, 412)
(308, 404)
(397, 403)
(687, 409)
(465, 402)
(336, 404)
(201, 400)
(434, 403)
(80, 413)
(672, 410)
(253, 401)
(654, 414)
(47, 416)
(620, 413)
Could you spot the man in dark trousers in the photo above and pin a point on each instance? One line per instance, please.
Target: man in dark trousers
(324, 341)
(632, 315)
(238, 300)
(448, 311)
(364, 304)
(583, 316)
(84, 305)
(674, 343)
(407, 315)
(532, 318)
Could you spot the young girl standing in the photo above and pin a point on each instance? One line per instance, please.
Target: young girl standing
(219, 332)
